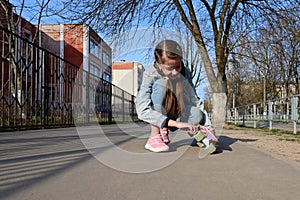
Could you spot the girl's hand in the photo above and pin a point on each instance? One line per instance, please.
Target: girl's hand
(204, 130)
(183, 125)
(186, 126)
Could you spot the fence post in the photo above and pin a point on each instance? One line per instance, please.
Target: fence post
(234, 115)
(228, 116)
(270, 114)
(110, 117)
(254, 115)
(87, 96)
(243, 113)
(132, 108)
(123, 106)
(294, 114)
(287, 111)
(45, 91)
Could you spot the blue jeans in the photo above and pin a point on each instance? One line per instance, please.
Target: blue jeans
(192, 113)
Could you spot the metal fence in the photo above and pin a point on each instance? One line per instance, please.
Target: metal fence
(39, 90)
(283, 114)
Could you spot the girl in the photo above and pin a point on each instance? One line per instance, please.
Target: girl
(167, 98)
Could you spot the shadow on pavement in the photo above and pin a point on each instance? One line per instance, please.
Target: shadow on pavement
(28, 158)
(225, 143)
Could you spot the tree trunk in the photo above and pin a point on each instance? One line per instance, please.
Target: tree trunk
(219, 97)
(219, 101)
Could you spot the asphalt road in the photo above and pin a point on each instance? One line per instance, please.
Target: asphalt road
(110, 162)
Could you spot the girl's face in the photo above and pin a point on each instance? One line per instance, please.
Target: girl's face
(171, 67)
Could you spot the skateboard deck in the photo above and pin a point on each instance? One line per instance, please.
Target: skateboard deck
(201, 134)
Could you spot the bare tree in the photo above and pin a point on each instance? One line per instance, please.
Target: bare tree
(211, 23)
(192, 57)
(274, 53)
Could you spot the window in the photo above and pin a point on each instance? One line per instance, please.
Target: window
(107, 77)
(95, 70)
(94, 49)
(106, 59)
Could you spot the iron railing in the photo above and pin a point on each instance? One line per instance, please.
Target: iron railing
(39, 89)
(282, 113)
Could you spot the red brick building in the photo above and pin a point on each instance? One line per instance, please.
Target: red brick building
(80, 45)
(83, 47)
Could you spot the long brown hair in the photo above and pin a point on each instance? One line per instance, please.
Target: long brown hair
(173, 103)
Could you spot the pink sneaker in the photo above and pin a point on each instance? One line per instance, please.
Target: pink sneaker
(156, 144)
(164, 132)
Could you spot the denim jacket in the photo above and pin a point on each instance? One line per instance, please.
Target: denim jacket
(144, 103)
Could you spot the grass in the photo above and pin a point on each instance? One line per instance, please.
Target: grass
(270, 132)
(290, 139)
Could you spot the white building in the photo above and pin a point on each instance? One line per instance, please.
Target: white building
(128, 76)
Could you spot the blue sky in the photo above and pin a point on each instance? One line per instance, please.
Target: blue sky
(31, 10)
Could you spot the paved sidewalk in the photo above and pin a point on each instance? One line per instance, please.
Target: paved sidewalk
(55, 164)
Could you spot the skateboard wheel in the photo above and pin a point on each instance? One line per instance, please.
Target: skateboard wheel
(198, 136)
(200, 144)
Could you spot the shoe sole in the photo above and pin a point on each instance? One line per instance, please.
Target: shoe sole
(205, 152)
(150, 148)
